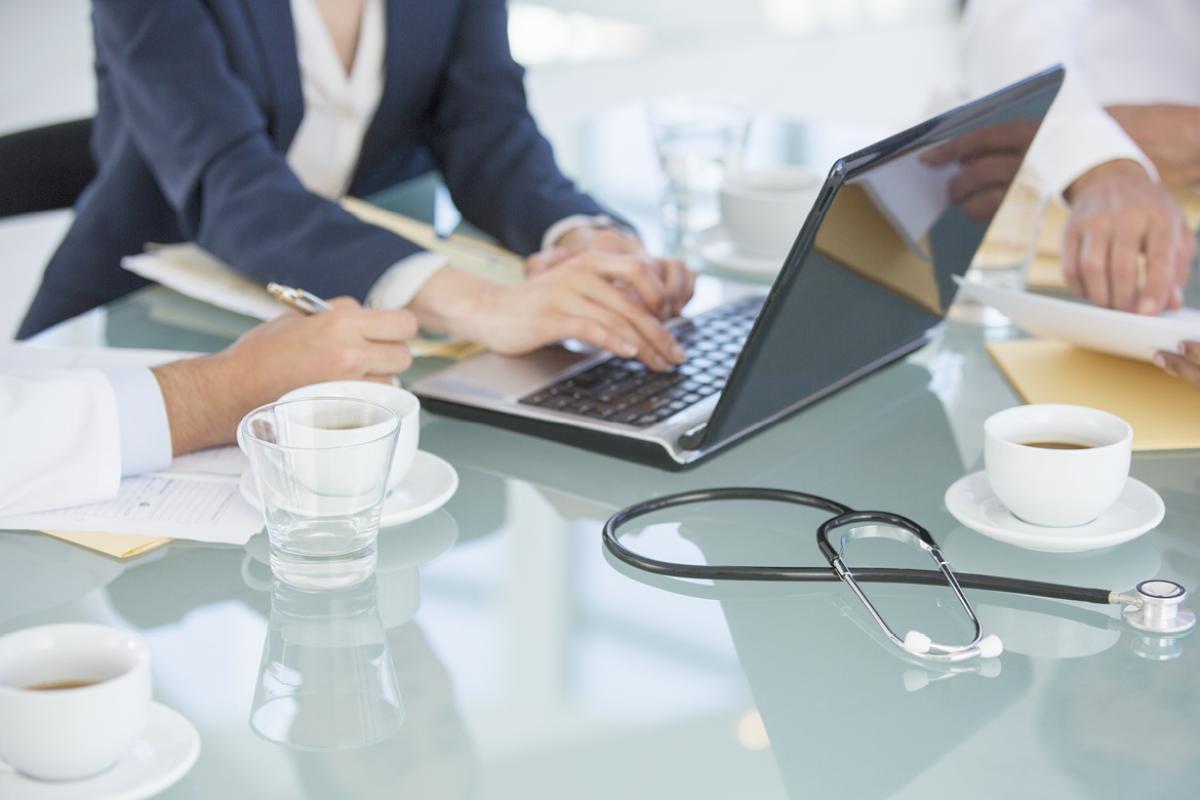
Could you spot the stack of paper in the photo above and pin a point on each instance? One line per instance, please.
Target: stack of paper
(196, 273)
(1120, 333)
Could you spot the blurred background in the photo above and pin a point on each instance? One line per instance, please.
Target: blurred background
(870, 65)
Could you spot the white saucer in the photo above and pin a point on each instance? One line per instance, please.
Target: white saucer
(714, 247)
(428, 486)
(164, 754)
(973, 503)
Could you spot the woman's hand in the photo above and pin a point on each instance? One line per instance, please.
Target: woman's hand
(1184, 364)
(598, 298)
(674, 279)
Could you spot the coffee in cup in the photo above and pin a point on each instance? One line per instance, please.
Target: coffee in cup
(1057, 465)
(762, 211)
(73, 699)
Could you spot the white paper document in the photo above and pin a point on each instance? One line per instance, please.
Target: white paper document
(226, 461)
(202, 509)
(1118, 332)
(196, 273)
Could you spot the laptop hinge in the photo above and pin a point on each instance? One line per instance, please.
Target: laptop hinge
(692, 437)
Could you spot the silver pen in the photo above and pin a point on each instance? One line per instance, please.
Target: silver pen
(299, 299)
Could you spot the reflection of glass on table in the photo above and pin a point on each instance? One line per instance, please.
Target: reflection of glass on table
(327, 680)
(696, 139)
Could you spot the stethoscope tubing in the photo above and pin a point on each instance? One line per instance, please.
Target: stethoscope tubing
(725, 572)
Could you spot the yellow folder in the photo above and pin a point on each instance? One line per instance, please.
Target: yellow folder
(1164, 411)
(118, 545)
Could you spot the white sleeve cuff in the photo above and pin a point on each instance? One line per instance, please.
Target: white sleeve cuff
(1074, 142)
(399, 285)
(568, 224)
(145, 433)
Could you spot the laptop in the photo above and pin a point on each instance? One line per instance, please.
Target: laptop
(868, 280)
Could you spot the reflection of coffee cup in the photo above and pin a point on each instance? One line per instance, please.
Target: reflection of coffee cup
(763, 210)
(73, 698)
(404, 404)
(1057, 465)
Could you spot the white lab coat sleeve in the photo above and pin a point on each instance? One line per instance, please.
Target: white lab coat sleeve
(60, 440)
(1006, 40)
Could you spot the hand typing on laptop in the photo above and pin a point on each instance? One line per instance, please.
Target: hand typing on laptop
(603, 290)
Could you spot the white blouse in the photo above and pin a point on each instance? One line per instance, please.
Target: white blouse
(338, 109)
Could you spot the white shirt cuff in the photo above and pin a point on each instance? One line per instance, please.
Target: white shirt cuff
(145, 433)
(1073, 142)
(568, 224)
(399, 285)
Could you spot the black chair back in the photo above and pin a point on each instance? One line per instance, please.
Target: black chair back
(42, 169)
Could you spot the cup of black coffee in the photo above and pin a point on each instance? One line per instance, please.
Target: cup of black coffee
(73, 699)
(1057, 465)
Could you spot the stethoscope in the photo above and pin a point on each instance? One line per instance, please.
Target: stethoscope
(1154, 606)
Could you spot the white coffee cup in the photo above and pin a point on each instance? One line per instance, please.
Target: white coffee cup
(71, 733)
(404, 404)
(763, 210)
(1057, 487)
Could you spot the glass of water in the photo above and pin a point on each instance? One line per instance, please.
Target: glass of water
(697, 139)
(1008, 249)
(321, 467)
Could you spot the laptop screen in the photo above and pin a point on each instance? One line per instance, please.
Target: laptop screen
(872, 270)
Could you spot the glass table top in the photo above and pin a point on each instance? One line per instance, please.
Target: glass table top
(503, 654)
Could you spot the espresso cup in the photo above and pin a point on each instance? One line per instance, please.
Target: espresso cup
(1057, 465)
(762, 211)
(404, 404)
(73, 699)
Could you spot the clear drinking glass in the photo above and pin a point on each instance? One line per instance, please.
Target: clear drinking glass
(327, 680)
(321, 467)
(697, 138)
(1010, 245)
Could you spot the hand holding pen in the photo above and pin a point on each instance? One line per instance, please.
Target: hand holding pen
(332, 340)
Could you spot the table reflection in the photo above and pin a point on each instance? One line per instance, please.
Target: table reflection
(327, 681)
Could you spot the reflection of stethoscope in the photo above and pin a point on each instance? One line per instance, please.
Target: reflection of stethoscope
(1154, 607)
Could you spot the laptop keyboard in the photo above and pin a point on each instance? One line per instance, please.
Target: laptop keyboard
(625, 391)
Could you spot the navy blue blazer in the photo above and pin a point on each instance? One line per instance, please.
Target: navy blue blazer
(198, 101)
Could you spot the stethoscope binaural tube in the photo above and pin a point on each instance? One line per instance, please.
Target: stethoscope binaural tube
(865, 524)
(719, 572)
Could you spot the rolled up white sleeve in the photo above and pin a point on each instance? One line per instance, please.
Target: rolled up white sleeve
(61, 440)
(1006, 40)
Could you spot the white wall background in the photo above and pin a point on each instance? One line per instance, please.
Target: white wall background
(855, 60)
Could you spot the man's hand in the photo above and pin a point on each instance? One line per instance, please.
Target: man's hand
(675, 280)
(1184, 364)
(206, 397)
(1168, 134)
(1118, 216)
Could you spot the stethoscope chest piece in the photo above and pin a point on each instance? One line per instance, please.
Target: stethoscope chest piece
(1160, 609)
